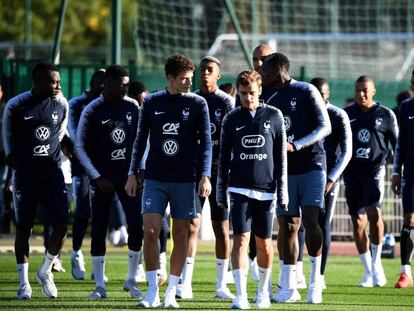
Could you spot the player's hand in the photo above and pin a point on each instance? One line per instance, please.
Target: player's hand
(328, 187)
(103, 185)
(9, 160)
(204, 187)
(289, 147)
(396, 185)
(284, 207)
(131, 186)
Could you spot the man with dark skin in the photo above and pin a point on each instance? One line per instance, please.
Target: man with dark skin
(33, 126)
(307, 123)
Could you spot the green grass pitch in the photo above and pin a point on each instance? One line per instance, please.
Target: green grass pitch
(342, 275)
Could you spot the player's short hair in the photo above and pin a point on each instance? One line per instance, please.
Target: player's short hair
(116, 71)
(178, 63)
(42, 69)
(135, 88)
(278, 59)
(97, 77)
(228, 88)
(364, 78)
(248, 77)
(318, 82)
(211, 59)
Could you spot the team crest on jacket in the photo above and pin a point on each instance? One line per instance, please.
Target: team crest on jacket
(129, 117)
(266, 126)
(378, 123)
(55, 117)
(217, 114)
(288, 122)
(186, 113)
(293, 104)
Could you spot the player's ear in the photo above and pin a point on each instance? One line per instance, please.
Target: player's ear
(260, 90)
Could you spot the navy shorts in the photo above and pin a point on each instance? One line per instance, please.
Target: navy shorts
(217, 213)
(46, 189)
(251, 215)
(364, 190)
(181, 196)
(408, 195)
(304, 190)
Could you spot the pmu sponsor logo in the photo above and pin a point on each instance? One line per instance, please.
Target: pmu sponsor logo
(118, 135)
(253, 141)
(41, 150)
(170, 128)
(42, 133)
(118, 154)
(253, 156)
(362, 153)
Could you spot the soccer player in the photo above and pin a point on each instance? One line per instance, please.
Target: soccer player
(404, 156)
(174, 120)
(373, 128)
(80, 179)
(338, 148)
(307, 124)
(219, 103)
(253, 169)
(34, 123)
(104, 141)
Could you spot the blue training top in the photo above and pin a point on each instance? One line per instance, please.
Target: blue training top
(105, 136)
(173, 123)
(307, 124)
(33, 129)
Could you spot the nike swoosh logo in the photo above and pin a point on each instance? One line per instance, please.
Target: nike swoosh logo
(159, 112)
(105, 121)
(239, 128)
(410, 117)
(28, 118)
(350, 121)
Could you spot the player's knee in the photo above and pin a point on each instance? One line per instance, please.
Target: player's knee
(409, 220)
(264, 246)
(310, 223)
(151, 233)
(373, 214)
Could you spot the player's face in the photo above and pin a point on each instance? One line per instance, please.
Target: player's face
(209, 74)
(249, 96)
(325, 92)
(259, 56)
(364, 93)
(182, 83)
(272, 75)
(49, 85)
(117, 88)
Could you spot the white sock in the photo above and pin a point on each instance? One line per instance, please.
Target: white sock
(376, 254)
(366, 261)
(172, 284)
(152, 279)
(163, 261)
(133, 258)
(264, 276)
(188, 271)
(23, 269)
(299, 268)
(289, 276)
(77, 253)
(270, 285)
(240, 280)
(280, 278)
(222, 266)
(98, 264)
(47, 263)
(315, 276)
(407, 270)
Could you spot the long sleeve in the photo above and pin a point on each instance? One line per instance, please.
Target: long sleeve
(63, 125)
(322, 123)
(401, 147)
(224, 161)
(7, 128)
(280, 158)
(140, 143)
(80, 143)
(345, 143)
(205, 141)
